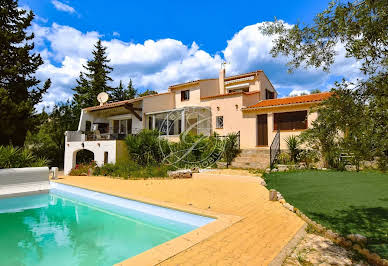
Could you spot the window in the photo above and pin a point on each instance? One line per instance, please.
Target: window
(105, 157)
(185, 95)
(269, 94)
(290, 120)
(219, 122)
(150, 123)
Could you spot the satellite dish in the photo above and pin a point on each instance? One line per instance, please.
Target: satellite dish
(102, 97)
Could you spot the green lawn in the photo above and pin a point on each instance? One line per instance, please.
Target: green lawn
(346, 202)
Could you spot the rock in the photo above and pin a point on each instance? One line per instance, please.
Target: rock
(282, 201)
(273, 195)
(195, 170)
(282, 168)
(288, 206)
(184, 173)
(263, 183)
(351, 168)
(268, 170)
(221, 164)
(331, 235)
(279, 196)
(274, 170)
(360, 239)
(324, 169)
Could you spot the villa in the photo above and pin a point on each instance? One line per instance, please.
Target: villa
(245, 103)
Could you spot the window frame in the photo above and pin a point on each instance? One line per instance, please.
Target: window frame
(218, 126)
(294, 123)
(183, 95)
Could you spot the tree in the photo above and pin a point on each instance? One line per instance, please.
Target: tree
(49, 141)
(147, 92)
(95, 79)
(19, 91)
(121, 94)
(361, 27)
(315, 91)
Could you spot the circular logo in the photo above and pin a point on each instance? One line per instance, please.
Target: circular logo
(185, 138)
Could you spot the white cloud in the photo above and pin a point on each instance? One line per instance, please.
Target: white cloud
(156, 64)
(296, 92)
(62, 7)
(116, 34)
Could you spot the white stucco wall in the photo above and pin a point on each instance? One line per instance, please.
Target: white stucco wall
(97, 147)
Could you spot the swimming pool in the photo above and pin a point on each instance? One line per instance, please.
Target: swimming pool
(74, 226)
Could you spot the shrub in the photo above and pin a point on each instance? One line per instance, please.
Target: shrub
(308, 156)
(231, 147)
(83, 168)
(129, 169)
(146, 148)
(284, 158)
(293, 144)
(11, 157)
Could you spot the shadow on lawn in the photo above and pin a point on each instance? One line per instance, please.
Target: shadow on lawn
(370, 222)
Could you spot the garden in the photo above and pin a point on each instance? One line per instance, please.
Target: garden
(149, 155)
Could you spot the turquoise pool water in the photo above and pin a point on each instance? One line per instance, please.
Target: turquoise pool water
(60, 228)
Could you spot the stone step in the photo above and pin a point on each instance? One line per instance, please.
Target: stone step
(253, 152)
(251, 165)
(244, 159)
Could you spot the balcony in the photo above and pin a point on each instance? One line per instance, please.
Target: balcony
(73, 136)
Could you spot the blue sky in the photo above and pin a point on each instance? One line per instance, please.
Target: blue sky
(160, 43)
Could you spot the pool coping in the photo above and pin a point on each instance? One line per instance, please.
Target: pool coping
(177, 245)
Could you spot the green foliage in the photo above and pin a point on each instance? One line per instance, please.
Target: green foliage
(11, 157)
(49, 140)
(19, 91)
(128, 169)
(82, 168)
(95, 80)
(231, 147)
(121, 94)
(195, 151)
(293, 145)
(146, 148)
(315, 91)
(147, 92)
(345, 202)
(308, 156)
(357, 111)
(284, 158)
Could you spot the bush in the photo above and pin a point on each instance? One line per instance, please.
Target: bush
(293, 144)
(308, 157)
(128, 169)
(284, 158)
(231, 147)
(83, 168)
(11, 157)
(146, 148)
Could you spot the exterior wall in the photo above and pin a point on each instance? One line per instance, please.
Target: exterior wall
(248, 126)
(97, 147)
(195, 95)
(264, 84)
(209, 87)
(227, 108)
(161, 102)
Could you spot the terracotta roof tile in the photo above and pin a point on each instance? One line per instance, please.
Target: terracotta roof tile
(317, 97)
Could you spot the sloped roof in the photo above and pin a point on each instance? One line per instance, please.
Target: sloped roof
(316, 97)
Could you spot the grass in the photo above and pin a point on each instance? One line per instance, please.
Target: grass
(346, 202)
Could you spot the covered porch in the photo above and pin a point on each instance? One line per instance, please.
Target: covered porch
(190, 119)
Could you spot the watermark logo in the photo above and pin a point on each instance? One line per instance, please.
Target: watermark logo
(190, 143)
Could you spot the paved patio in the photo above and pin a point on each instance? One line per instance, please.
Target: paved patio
(264, 230)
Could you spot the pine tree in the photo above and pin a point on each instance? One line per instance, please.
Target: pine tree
(121, 94)
(19, 91)
(95, 79)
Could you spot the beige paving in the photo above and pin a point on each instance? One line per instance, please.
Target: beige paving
(264, 228)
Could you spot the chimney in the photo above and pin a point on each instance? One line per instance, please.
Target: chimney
(221, 81)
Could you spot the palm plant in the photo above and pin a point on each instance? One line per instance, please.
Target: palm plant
(293, 145)
(13, 157)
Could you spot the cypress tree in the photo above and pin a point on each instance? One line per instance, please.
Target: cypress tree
(19, 91)
(95, 79)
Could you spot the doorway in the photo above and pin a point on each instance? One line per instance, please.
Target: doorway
(262, 130)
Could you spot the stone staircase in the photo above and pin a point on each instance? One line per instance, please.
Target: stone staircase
(252, 158)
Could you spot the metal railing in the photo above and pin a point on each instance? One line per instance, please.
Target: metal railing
(93, 136)
(274, 149)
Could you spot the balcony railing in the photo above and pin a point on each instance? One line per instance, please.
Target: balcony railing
(95, 136)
